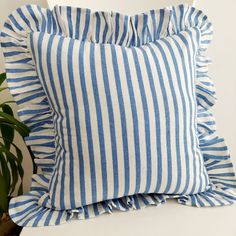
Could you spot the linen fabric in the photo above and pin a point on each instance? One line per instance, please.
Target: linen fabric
(135, 36)
(124, 118)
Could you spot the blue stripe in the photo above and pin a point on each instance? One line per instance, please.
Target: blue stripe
(51, 78)
(81, 67)
(220, 166)
(160, 24)
(214, 148)
(49, 217)
(217, 157)
(40, 215)
(43, 20)
(70, 26)
(14, 21)
(214, 141)
(71, 163)
(189, 56)
(122, 120)
(86, 25)
(182, 95)
(157, 123)
(145, 114)
(121, 42)
(58, 220)
(117, 16)
(77, 25)
(186, 78)
(105, 32)
(49, 21)
(97, 29)
(26, 78)
(99, 120)
(166, 108)
(22, 212)
(135, 119)
(24, 18)
(176, 110)
(31, 12)
(111, 117)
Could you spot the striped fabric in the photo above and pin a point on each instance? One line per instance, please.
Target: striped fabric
(206, 176)
(120, 127)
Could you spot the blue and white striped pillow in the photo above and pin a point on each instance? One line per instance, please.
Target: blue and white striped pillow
(119, 113)
(124, 118)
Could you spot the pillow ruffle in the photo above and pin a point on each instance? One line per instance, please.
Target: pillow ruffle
(32, 209)
(113, 27)
(213, 148)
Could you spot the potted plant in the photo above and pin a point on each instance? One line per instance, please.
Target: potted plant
(11, 171)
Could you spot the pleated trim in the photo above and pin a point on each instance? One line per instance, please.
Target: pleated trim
(33, 208)
(26, 211)
(213, 148)
(113, 27)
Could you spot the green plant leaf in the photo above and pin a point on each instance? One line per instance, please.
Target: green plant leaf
(7, 131)
(3, 195)
(19, 154)
(3, 77)
(11, 171)
(32, 158)
(7, 109)
(16, 167)
(12, 120)
(19, 130)
(20, 158)
(11, 143)
(18, 151)
(20, 190)
(5, 172)
(14, 173)
(9, 154)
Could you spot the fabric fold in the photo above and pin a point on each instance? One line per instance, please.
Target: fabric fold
(214, 150)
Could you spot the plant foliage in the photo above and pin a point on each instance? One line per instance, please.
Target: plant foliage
(11, 171)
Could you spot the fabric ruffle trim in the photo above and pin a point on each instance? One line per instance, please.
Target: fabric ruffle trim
(35, 110)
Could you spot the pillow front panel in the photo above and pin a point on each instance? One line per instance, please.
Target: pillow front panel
(124, 118)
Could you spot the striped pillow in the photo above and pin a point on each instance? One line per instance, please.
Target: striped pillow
(124, 118)
(124, 107)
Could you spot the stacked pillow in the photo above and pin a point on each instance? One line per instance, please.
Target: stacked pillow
(118, 108)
